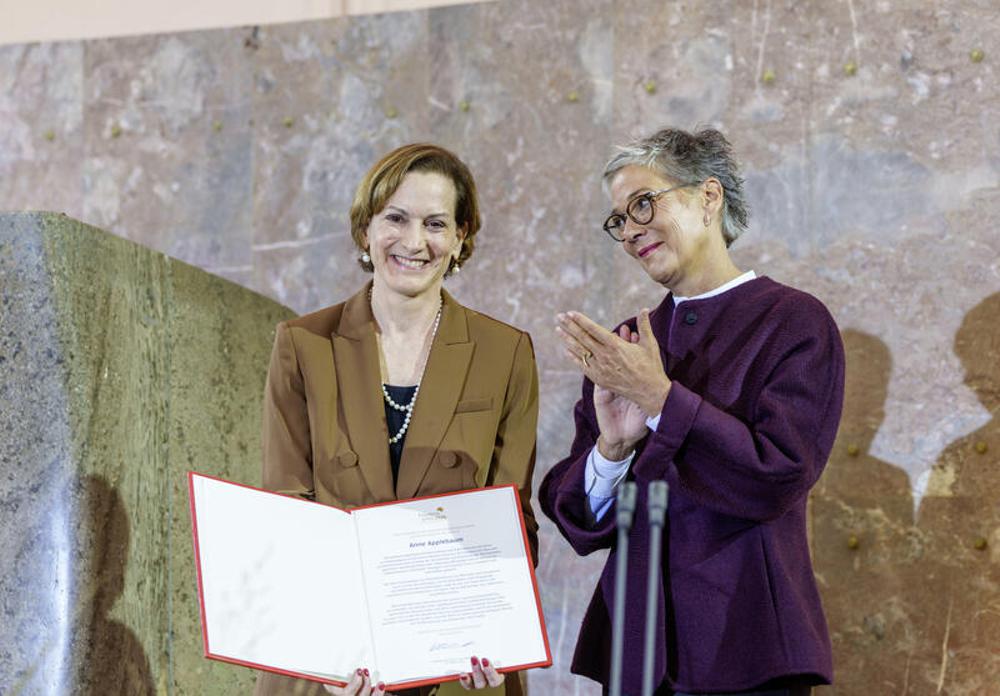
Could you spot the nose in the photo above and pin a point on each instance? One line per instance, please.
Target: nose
(413, 236)
(632, 231)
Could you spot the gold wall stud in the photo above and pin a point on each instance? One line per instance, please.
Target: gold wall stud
(573, 96)
(288, 121)
(981, 447)
(980, 544)
(768, 77)
(50, 135)
(976, 55)
(217, 126)
(650, 87)
(853, 542)
(853, 450)
(391, 112)
(464, 106)
(851, 69)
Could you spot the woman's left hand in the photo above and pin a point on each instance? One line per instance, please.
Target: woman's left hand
(627, 363)
(484, 674)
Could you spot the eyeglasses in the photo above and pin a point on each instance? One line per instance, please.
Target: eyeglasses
(640, 210)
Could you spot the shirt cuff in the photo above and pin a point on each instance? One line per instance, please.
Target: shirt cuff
(653, 423)
(601, 479)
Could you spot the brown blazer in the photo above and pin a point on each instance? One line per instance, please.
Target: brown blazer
(325, 436)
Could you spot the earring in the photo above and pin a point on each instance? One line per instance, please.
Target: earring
(365, 258)
(455, 267)
(707, 220)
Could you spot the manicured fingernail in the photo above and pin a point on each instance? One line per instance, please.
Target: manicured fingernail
(475, 660)
(366, 671)
(381, 686)
(360, 671)
(486, 663)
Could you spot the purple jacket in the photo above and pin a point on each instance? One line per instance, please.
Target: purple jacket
(758, 381)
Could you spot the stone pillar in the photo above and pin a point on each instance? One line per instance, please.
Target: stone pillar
(120, 370)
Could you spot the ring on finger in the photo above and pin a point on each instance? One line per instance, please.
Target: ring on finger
(587, 355)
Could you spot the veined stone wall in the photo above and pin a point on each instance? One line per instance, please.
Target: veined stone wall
(872, 158)
(120, 370)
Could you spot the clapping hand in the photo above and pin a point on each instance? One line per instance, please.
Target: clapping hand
(630, 383)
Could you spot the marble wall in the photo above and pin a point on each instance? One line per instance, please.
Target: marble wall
(868, 133)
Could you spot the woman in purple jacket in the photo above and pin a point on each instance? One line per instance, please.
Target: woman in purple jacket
(731, 391)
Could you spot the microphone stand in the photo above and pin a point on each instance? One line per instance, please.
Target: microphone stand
(625, 510)
(657, 509)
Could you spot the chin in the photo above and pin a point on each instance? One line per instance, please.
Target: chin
(409, 285)
(660, 273)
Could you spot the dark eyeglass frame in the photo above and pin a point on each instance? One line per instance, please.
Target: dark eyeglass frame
(632, 213)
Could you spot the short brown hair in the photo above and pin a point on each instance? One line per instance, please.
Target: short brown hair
(382, 180)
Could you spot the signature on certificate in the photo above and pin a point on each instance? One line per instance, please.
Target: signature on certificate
(438, 647)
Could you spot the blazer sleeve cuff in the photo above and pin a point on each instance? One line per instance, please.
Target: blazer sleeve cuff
(676, 420)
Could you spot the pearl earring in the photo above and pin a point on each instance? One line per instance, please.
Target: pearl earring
(365, 258)
(706, 220)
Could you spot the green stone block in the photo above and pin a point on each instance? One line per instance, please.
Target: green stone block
(120, 370)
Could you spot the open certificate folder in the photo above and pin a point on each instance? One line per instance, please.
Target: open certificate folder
(410, 589)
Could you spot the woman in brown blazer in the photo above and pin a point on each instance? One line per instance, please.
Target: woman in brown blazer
(400, 391)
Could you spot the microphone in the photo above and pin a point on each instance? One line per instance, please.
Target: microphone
(657, 511)
(626, 502)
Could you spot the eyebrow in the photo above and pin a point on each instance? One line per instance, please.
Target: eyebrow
(404, 211)
(631, 196)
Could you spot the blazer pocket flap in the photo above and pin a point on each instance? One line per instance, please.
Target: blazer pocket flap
(474, 405)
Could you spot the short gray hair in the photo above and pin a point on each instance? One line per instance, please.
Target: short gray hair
(688, 158)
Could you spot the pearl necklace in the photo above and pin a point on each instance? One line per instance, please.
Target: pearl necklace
(408, 408)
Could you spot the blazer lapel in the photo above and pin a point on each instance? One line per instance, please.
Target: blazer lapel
(440, 389)
(355, 353)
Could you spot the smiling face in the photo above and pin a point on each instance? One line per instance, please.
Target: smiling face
(675, 248)
(413, 239)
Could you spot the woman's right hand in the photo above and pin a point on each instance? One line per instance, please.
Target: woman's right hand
(621, 421)
(360, 685)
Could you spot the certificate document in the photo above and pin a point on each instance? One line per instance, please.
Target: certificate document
(409, 589)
